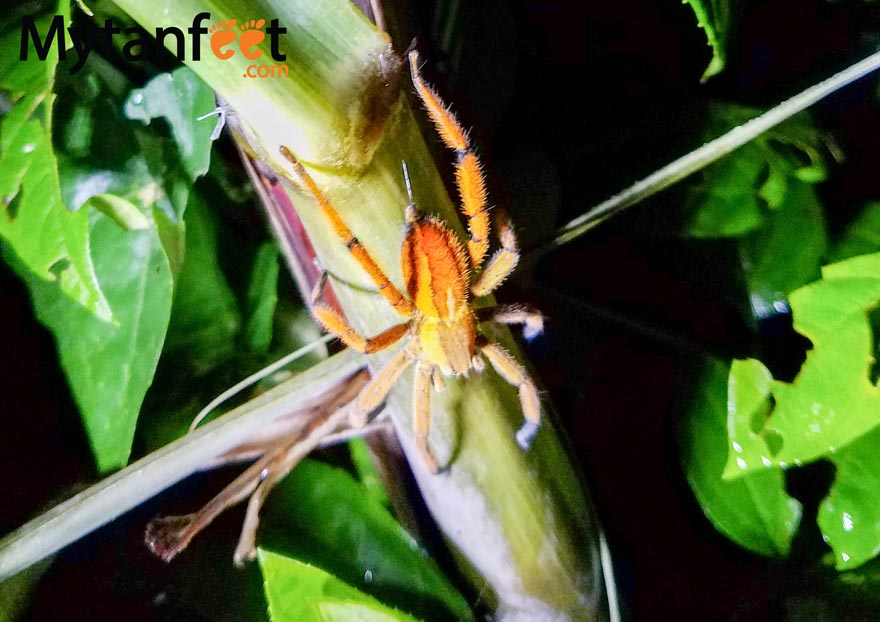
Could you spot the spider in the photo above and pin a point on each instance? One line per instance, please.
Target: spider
(442, 278)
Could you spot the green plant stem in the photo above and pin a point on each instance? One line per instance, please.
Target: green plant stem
(519, 521)
(117, 494)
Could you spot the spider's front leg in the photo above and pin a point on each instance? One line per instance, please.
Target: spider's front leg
(503, 262)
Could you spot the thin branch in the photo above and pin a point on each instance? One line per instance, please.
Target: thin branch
(117, 494)
(707, 154)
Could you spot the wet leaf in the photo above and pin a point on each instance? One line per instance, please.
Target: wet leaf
(832, 401)
(850, 516)
(754, 511)
(298, 592)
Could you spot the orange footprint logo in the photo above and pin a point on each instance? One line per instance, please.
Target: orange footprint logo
(251, 36)
(222, 34)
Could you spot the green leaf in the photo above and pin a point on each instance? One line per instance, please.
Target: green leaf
(366, 471)
(110, 365)
(832, 401)
(124, 212)
(323, 516)
(16, 591)
(749, 386)
(205, 319)
(261, 298)
(862, 236)
(753, 511)
(180, 97)
(48, 239)
(786, 252)
(735, 195)
(298, 592)
(850, 516)
(714, 17)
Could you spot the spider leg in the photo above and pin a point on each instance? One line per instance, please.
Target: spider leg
(375, 392)
(516, 375)
(468, 172)
(502, 263)
(333, 323)
(422, 414)
(386, 288)
(532, 320)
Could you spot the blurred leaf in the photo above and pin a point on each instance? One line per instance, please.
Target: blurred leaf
(16, 591)
(181, 97)
(787, 251)
(714, 17)
(205, 319)
(735, 195)
(261, 298)
(50, 241)
(124, 212)
(298, 592)
(365, 469)
(110, 365)
(323, 516)
(753, 511)
(832, 401)
(862, 236)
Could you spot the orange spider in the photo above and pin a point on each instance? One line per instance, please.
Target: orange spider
(439, 277)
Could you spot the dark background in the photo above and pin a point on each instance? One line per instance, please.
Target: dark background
(569, 103)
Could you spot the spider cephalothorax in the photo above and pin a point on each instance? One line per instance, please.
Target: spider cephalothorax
(442, 278)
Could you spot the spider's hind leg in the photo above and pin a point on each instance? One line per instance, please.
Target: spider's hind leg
(377, 389)
(531, 319)
(517, 375)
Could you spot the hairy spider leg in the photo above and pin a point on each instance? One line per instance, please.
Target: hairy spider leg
(333, 323)
(468, 172)
(422, 413)
(377, 389)
(502, 263)
(386, 287)
(336, 325)
(531, 320)
(515, 374)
